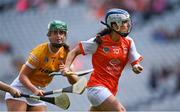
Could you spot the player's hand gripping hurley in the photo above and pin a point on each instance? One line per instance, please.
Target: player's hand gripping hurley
(62, 100)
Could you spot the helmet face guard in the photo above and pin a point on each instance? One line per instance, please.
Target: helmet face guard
(118, 16)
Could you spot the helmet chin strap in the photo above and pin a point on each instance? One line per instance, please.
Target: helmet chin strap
(56, 45)
(122, 34)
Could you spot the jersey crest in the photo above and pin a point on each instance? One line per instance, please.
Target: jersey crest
(106, 49)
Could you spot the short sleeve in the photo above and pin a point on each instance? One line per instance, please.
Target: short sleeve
(134, 56)
(35, 55)
(88, 47)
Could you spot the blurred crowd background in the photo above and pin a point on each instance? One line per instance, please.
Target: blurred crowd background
(156, 32)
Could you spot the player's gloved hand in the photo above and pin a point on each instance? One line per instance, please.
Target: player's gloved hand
(137, 68)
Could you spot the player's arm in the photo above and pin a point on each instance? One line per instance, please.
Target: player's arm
(23, 77)
(29, 67)
(84, 47)
(135, 59)
(11, 90)
(72, 78)
(70, 57)
(137, 68)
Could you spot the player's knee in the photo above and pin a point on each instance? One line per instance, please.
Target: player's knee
(38, 108)
(93, 109)
(118, 107)
(122, 109)
(12, 105)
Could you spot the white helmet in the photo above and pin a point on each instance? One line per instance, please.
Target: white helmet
(118, 16)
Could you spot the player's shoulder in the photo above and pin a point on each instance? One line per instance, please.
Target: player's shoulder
(105, 36)
(129, 38)
(40, 48)
(91, 39)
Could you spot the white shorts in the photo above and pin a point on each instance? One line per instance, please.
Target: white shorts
(22, 89)
(97, 95)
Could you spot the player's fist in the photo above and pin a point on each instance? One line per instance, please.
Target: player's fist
(68, 73)
(38, 92)
(137, 68)
(14, 92)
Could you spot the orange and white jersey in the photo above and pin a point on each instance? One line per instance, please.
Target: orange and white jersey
(44, 61)
(109, 59)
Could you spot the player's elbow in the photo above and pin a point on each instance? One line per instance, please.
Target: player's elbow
(22, 78)
(76, 51)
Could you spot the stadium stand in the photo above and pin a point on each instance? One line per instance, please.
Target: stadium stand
(25, 30)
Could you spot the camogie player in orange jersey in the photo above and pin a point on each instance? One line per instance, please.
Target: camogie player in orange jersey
(34, 75)
(111, 49)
